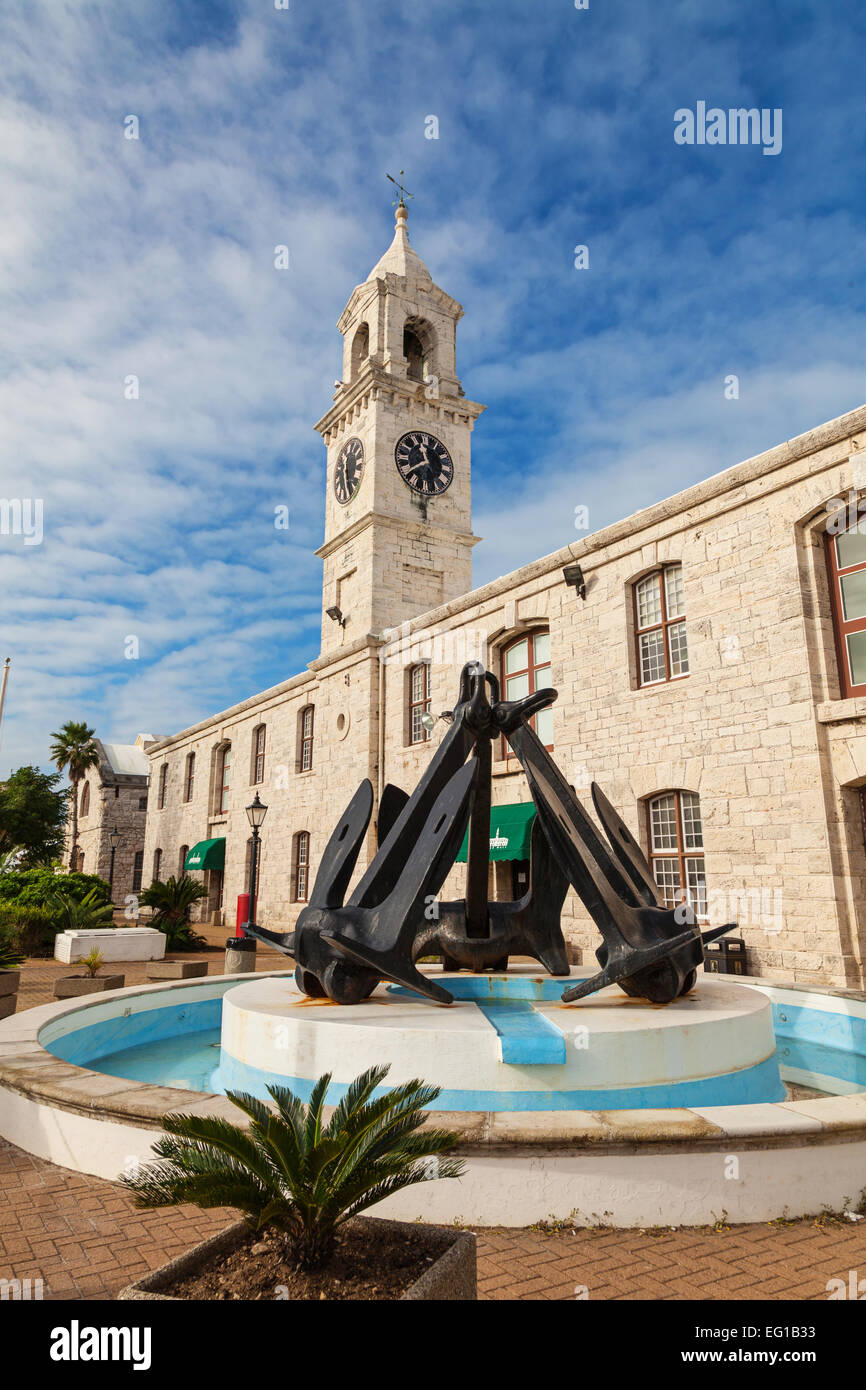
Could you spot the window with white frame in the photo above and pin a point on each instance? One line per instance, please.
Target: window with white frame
(419, 702)
(676, 845)
(660, 627)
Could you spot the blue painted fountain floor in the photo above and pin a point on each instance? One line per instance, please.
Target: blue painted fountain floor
(188, 1061)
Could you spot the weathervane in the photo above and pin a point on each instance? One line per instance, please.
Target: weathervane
(404, 194)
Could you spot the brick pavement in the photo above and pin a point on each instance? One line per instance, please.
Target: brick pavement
(84, 1239)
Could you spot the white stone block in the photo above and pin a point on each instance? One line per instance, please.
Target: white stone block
(115, 943)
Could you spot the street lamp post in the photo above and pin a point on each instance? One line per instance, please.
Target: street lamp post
(114, 841)
(256, 813)
(241, 950)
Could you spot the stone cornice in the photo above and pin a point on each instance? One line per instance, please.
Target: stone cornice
(373, 380)
(417, 530)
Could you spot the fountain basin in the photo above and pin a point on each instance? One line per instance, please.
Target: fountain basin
(509, 1043)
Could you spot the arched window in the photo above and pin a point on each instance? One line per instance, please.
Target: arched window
(305, 739)
(160, 797)
(525, 669)
(418, 337)
(301, 866)
(157, 864)
(660, 628)
(258, 758)
(419, 701)
(85, 800)
(78, 866)
(181, 866)
(189, 777)
(846, 556)
(224, 772)
(676, 849)
(360, 348)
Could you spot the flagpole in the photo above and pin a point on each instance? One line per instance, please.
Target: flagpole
(7, 663)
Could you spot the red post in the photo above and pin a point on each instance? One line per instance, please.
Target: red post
(243, 914)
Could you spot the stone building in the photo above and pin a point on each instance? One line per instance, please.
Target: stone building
(113, 796)
(709, 653)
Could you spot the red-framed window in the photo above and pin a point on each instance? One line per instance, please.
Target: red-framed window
(189, 779)
(259, 735)
(181, 867)
(846, 558)
(660, 626)
(676, 849)
(224, 776)
(525, 668)
(163, 778)
(419, 702)
(305, 760)
(157, 864)
(302, 866)
(85, 800)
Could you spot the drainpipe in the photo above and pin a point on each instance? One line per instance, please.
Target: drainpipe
(381, 769)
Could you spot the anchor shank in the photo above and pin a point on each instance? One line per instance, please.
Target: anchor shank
(478, 854)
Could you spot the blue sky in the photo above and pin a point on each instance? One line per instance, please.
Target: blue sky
(258, 127)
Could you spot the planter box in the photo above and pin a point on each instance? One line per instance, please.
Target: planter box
(9, 982)
(176, 969)
(115, 943)
(452, 1277)
(7, 1004)
(70, 986)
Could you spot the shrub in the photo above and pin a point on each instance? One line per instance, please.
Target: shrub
(33, 927)
(11, 955)
(37, 887)
(292, 1171)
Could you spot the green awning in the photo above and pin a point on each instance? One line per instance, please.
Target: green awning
(510, 830)
(207, 854)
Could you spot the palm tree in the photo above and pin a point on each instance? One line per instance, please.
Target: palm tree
(171, 902)
(73, 748)
(292, 1171)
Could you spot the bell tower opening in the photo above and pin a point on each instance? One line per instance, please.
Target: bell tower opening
(418, 349)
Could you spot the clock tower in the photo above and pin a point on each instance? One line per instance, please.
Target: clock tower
(398, 531)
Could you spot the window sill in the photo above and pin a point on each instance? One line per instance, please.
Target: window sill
(838, 711)
(660, 685)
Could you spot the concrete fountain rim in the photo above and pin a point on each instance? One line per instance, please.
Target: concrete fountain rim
(30, 1071)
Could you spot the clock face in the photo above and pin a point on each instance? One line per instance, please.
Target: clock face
(424, 463)
(348, 470)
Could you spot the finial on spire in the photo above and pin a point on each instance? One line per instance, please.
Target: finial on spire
(404, 193)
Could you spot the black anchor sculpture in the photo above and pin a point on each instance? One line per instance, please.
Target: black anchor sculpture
(392, 918)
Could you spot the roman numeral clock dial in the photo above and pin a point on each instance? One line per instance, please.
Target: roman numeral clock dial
(348, 470)
(424, 463)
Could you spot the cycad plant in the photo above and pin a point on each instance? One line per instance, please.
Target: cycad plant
(87, 915)
(171, 902)
(92, 962)
(293, 1171)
